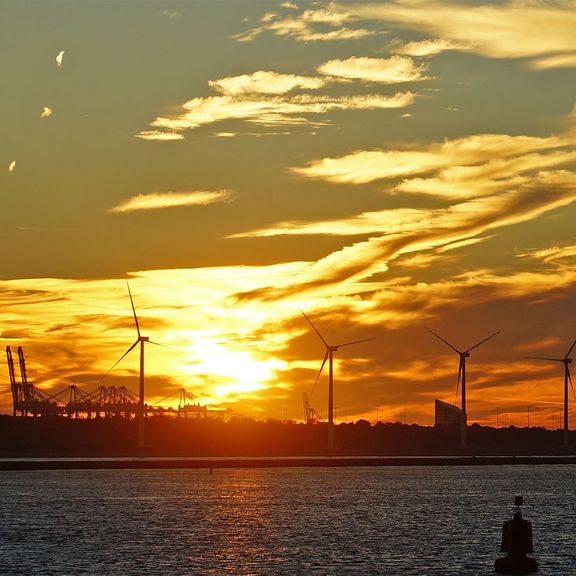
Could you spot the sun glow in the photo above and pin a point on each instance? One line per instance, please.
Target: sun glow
(232, 372)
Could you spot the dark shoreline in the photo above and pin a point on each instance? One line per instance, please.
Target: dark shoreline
(168, 463)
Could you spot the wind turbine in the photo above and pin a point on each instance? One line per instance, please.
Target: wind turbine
(330, 349)
(567, 378)
(142, 341)
(462, 376)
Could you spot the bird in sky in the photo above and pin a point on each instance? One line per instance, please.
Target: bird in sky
(46, 111)
(60, 58)
(12, 166)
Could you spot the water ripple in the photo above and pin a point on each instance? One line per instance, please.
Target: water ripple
(415, 521)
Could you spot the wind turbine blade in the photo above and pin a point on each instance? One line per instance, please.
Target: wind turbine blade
(319, 372)
(571, 348)
(440, 338)
(541, 358)
(120, 360)
(315, 330)
(164, 346)
(355, 342)
(134, 310)
(482, 341)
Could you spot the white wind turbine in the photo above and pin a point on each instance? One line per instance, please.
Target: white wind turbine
(567, 379)
(139, 340)
(462, 376)
(330, 349)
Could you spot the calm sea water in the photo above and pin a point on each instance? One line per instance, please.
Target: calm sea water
(438, 521)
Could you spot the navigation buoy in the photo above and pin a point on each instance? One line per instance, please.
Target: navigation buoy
(517, 543)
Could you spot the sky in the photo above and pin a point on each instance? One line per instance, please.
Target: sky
(384, 167)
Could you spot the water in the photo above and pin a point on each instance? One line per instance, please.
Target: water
(437, 521)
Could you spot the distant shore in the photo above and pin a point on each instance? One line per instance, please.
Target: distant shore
(42, 443)
(128, 463)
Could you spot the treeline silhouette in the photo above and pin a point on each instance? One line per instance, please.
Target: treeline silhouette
(55, 436)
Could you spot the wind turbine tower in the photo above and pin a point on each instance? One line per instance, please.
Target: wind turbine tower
(462, 377)
(567, 379)
(142, 340)
(330, 349)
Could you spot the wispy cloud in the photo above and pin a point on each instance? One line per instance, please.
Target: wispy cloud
(190, 310)
(556, 253)
(265, 82)
(443, 225)
(538, 30)
(384, 70)
(162, 136)
(295, 110)
(490, 181)
(159, 200)
(319, 25)
(269, 98)
(484, 152)
(424, 48)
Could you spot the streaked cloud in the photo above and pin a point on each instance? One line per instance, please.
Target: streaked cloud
(230, 354)
(425, 48)
(269, 98)
(382, 226)
(392, 70)
(295, 110)
(163, 136)
(555, 253)
(315, 25)
(443, 225)
(46, 112)
(263, 82)
(485, 179)
(484, 152)
(60, 58)
(490, 181)
(159, 200)
(538, 30)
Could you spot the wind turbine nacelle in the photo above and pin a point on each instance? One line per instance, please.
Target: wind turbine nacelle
(144, 338)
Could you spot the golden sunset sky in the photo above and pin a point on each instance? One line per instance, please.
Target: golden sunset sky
(383, 166)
